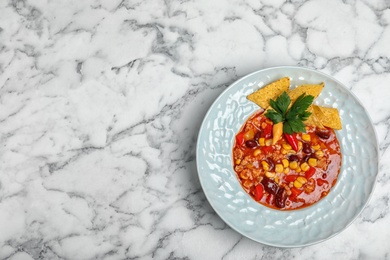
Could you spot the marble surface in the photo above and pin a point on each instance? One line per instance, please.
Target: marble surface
(101, 103)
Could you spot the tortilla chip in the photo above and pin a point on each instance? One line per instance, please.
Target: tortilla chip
(320, 116)
(330, 117)
(313, 119)
(309, 89)
(271, 91)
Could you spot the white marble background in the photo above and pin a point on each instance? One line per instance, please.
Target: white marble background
(101, 102)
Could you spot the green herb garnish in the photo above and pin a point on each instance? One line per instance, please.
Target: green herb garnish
(292, 118)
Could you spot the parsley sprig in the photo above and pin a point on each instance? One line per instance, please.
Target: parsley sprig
(292, 118)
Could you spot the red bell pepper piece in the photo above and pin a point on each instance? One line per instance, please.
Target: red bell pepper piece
(290, 178)
(295, 192)
(309, 173)
(259, 192)
(321, 182)
(292, 140)
(240, 138)
(267, 149)
(267, 132)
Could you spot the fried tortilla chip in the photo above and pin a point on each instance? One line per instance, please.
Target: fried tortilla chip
(320, 116)
(309, 89)
(271, 91)
(329, 117)
(324, 117)
(313, 119)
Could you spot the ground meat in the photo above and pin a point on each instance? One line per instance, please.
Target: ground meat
(239, 168)
(238, 153)
(277, 156)
(257, 123)
(249, 159)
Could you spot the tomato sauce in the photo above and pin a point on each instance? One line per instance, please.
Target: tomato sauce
(280, 177)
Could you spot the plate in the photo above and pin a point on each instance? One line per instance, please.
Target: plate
(296, 228)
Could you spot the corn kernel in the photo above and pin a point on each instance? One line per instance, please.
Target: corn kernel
(238, 161)
(297, 184)
(262, 141)
(298, 169)
(300, 145)
(306, 137)
(301, 179)
(319, 154)
(293, 165)
(256, 152)
(316, 147)
(276, 179)
(268, 142)
(286, 170)
(249, 135)
(265, 165)
(287, 146)
(285, 163)
(312, 162)
(284, 151)
(270, 174)
(304, 167)
(279, 168)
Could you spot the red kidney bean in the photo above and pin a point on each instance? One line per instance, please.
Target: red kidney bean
(251, 143)
(323, 133)
(293, 157)
(271, 164)
(257, 136)
(270, 186)
(306, 148)
(305, 158)
(324, 176)
(280, 198)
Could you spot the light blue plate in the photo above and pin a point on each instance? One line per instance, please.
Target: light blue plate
(295, 228)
